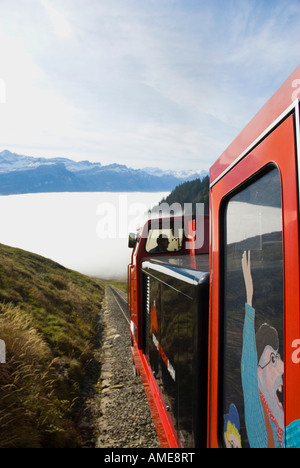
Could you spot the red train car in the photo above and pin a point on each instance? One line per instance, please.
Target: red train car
(216, 330)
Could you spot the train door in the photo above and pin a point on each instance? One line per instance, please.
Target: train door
(255, 305)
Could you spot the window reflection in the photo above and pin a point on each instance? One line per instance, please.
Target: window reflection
(253, 369)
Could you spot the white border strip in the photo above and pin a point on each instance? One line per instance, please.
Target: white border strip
(169, 270)
(294, 106)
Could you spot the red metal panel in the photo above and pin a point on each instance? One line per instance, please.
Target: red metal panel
(278, 148)
(164, 427)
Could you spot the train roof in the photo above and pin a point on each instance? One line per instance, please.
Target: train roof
(284, 98)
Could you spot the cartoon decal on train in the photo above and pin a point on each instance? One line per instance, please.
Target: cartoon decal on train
(262, 374)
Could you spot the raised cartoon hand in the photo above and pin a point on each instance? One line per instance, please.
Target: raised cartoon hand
(246, 266)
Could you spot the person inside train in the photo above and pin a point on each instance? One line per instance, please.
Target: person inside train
(162, 244)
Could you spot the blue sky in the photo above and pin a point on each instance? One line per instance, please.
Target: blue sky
(163, 83)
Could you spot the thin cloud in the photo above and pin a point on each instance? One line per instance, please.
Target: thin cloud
(135, 82)
(61, 26)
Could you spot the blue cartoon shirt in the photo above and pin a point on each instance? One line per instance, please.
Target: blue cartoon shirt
(254, 414)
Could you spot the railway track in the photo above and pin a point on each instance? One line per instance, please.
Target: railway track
(125, 420)
(121, 302)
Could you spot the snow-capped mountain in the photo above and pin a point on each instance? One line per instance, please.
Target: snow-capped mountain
(188, 175)
(10, 162)
(26, 174)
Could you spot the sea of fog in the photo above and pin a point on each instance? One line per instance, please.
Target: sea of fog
(86, 232)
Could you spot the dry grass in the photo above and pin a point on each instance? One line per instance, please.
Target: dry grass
(48, 320)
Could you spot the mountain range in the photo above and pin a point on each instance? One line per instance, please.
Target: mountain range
(25, 174)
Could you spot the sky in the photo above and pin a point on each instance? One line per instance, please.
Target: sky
(161, 83)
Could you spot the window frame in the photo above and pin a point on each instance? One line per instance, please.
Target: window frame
(279, 147)
(162, 230)
(222, 287)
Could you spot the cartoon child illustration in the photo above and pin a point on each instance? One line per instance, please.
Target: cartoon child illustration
(262, 379)
(262, 376)
(232, 428)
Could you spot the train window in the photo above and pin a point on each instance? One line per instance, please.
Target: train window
(164, 241)
(253, 367)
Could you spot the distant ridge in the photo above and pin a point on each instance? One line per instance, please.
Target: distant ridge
(190, 192)
(25, 174)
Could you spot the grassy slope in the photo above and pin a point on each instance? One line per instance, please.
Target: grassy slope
(48, 320)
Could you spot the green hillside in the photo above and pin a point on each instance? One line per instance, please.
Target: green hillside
(195, 191)
(49, 318)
